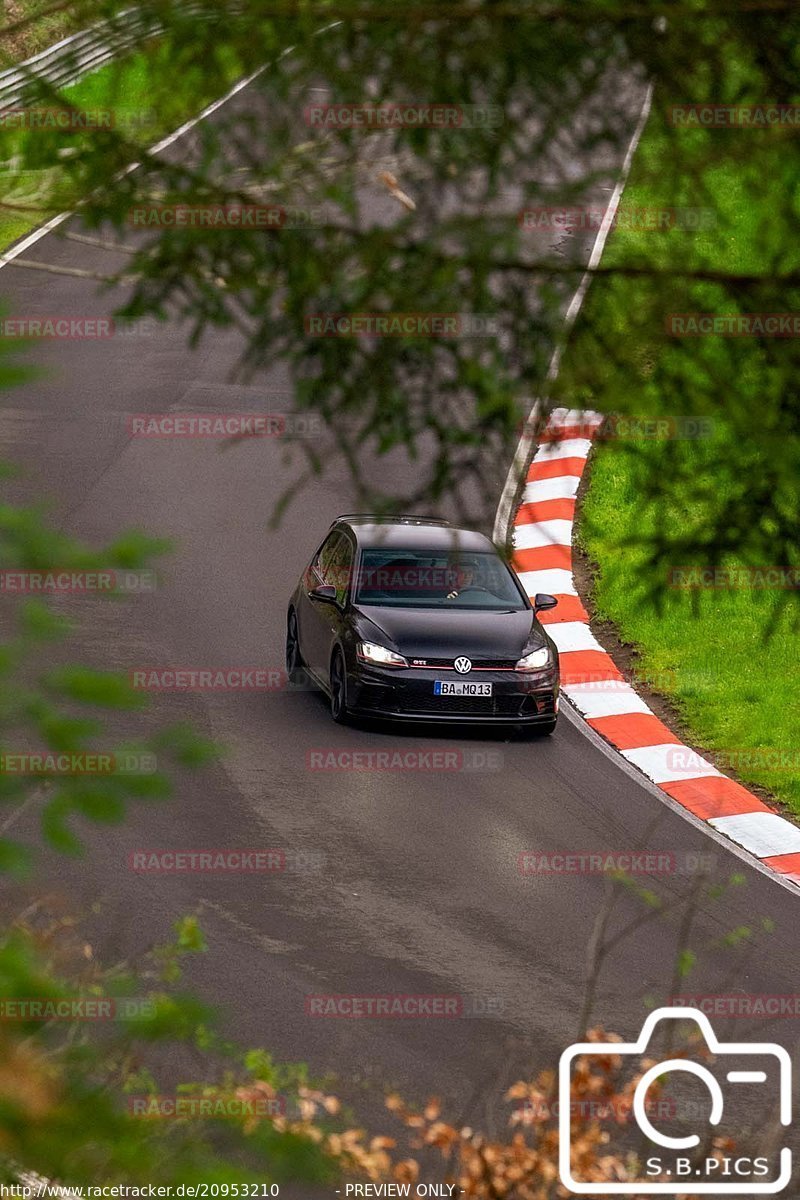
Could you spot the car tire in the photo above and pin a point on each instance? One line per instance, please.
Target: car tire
(546, 730)
(338, 682)
(295, 669)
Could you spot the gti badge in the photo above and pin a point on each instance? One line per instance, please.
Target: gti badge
(462, 665)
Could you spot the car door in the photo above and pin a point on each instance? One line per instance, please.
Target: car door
(315, 617)
(333, 617)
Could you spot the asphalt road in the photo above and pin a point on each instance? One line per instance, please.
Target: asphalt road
(416, 887)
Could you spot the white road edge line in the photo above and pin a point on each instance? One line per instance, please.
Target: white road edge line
(622, 764)
(54, 222)
(503, 533)
(504, 509)
(502, 522)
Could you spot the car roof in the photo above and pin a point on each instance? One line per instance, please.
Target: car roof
(413, 533)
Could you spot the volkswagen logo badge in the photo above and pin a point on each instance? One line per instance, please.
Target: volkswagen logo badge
(462, 665)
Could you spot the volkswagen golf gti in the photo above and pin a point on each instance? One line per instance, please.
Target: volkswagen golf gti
(413, 619)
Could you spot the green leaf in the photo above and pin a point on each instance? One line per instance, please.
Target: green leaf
(106, 689)
(686, 961)
(188, 748)
(15, 859)
(66, 733)
(190, 937)
(56, 831)
(41, 623)
(103, 806)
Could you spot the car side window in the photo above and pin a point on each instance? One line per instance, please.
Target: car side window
(321, 566)
(341, 568)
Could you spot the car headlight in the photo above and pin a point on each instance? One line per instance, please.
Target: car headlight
(379, 656)
(534, 661)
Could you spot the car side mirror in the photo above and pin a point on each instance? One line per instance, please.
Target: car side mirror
(325, 592)
(541, 601)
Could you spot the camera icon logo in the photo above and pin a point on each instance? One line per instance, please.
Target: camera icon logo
(669, 1169)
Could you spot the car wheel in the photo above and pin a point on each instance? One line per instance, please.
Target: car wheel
(338, 689)
(546, 730)
(294, 659)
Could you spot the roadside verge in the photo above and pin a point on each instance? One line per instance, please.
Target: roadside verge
(591, 681)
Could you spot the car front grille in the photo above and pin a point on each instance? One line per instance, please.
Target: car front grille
(489, 706)
(482, 664)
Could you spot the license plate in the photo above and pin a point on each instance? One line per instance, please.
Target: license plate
(461, 687)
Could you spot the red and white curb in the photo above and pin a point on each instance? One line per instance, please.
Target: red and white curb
(542, 538)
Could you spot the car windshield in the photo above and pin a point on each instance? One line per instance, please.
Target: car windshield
(415, 579)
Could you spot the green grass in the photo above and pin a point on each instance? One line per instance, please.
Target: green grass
(736, 691)
(140, 91)
(39, 33)
(732, 653)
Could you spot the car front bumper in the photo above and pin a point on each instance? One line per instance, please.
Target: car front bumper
(407, 695)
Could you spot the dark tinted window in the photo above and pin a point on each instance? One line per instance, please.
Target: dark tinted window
(414, 579)
(340, 568)
(325, 557)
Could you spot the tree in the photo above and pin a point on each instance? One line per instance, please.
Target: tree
(423, 217)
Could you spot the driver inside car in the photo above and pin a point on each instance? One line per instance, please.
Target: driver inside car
(465, 574)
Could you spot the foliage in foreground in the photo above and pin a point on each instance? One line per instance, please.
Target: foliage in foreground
(427, 220)
(469, 396)
(88, 1108)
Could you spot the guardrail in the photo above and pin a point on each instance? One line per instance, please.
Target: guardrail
(75, 56)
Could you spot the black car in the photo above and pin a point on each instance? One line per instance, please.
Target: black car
(416, 620)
